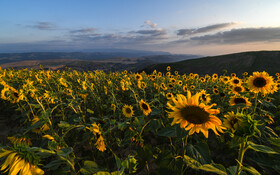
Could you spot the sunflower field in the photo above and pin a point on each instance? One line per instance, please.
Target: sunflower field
(72, 122)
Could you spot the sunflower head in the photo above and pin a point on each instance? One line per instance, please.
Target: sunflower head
(145, 107)
(194, 116)
(128, 111)
(260, 82)
(20, 159)
(241, 124)
(237, 100)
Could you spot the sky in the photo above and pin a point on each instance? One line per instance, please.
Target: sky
(177, 26)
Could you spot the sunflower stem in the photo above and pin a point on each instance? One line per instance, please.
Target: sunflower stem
(256, 102)
(242, 149)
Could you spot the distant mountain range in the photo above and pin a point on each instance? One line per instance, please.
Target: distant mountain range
(238, 63)
(107, 60)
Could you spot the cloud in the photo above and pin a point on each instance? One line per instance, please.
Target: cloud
(151, 24)
(155, 32)
(242, 35)
(84, 30)
(210, 28)
(43, 26)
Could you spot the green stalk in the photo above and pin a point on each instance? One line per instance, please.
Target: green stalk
(242, 149)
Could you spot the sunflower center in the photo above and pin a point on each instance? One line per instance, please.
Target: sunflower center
(233, 122)
(203, 96)
(16, 94)
(259, 82)
(239, 100)
(128, 110)
(145, 106)
(235, 81)
(195, 115)
(237, 89)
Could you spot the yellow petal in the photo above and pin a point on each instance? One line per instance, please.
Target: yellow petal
(8, 161)
(17, 167)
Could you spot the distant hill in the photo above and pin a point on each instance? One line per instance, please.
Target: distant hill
(238, 63)
(107, 61)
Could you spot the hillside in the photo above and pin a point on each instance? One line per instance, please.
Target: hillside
(85, 61)
(238, 63)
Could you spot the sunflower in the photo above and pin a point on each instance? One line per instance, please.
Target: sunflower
(180, 83)
(235, 81)
(260, 82)
(145, 107)
(232, 121)
(194, 116)
(225, 79)
(128, 111)
(237, 89)
(202, 79)
(205, 98)
(169, 96)
(138, 77)
(214, 76)
(239, 100)
(233, 74)
(170, 86)
(192, 86)
(163, 87)
(172, 80)
(216, 91)
(185, 88)
(168, 68)
(15, 164)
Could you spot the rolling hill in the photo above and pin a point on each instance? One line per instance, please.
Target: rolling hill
(238, 63)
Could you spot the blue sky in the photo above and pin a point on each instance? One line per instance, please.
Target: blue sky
(177, 26)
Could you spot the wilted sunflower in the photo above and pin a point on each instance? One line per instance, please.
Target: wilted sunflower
(15, 164)
(194, 116)
(260, 82)
(239, 100)
(127, 111)
(145, 107)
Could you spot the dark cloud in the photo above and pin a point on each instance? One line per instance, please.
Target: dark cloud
(243, 35)
(44, 26)
(84, 30)
(210, 28)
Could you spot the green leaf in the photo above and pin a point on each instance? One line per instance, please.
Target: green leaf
(261, 148)
(89, 168)
(214, 168)
(63, 124)
(54, 164)
(64, 151)
(167, 132)
(90, 111)
(251, 170)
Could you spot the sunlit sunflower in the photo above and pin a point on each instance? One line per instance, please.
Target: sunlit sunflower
(214, 76)
(237, 89)
(128, 111)
(239, 100)
(180, 83)
(235, 81)
(192, 86)
(260, 82)
(185, 88)
(176, 72)
(145, 107)
(202, 79)
(170, 86)
(168, 68)
(169, 96)
(172, 80)
(216, 91)
(15, 164)
(233, 74)
(138, 77)
(225, 79)
(194, 116)
(205, 98)
(163, 87)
